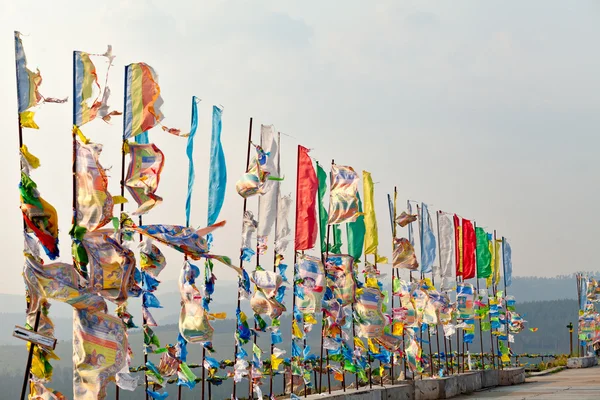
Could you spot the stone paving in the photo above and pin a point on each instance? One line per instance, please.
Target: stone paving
(580, 384)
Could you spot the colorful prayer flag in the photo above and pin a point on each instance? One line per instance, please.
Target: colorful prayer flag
(143, 175)
(323, 215)
(306, 212)
(142, 99)
(339, 269)
(311, 274)
(94, 202)
(404, 255)
(267, 203)
(368, 307)
(343, 200)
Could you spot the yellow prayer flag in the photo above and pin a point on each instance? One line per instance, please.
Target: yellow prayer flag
(275, 362)
(358, 343)
(398, 329)
(296, 332)
(32, 160)
(371, 237)
(372, 348)
(119, 200)
(309, 319)
(26, 120)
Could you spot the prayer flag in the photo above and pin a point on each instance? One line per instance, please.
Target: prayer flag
(143, 175)
(311, 272)
(323, 217)
(343, 203)
(356, 234)
(507, 260)
(469, 245)
(142, 99)
(267, 203)
(306, 212)
(189, 151)
(404, 255)
(446, 251)
(428, 245)
(484, 257)
(218, 169)
(371, 237)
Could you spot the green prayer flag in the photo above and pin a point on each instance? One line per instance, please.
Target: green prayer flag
(484, 257)
(323, 217)
(336, 247)
(356, 233)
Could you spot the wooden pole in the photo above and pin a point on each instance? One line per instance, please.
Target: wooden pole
(235, 351)
(437, 325)
(393, 221)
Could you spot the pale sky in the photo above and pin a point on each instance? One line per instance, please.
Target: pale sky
(484, 108)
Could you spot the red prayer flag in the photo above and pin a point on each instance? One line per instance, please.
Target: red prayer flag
(457, 246)
(469, 245)
(306, 202)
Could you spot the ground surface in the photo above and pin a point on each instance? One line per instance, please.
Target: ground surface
(580, 384)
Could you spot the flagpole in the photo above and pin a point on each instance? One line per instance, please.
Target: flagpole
(275, 249)
(494, 293)
(27, 374)
(441, 277)
(393, 220)
(294, 277)
(477, 282)
(420, 213)
(241, 252)
(437, 331)
(505, 308)
(458, 252)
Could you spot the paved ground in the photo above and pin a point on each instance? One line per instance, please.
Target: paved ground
(580, 384)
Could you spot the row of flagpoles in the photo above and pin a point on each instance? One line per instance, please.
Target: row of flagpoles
(355, 329)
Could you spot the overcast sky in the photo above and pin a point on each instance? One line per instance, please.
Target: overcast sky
(484, 108)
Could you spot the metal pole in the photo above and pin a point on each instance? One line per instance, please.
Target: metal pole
(235, 351)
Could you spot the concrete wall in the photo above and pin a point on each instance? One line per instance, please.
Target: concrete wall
(582, 362)
(438, 388)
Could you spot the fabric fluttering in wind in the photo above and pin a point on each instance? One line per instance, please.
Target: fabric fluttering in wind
(94, 202)
(468, 248)
(186, 240)
(404, 219)
(189, 151)
(371, 235)
(267, 203)
(484, 256)
(28, 83)
(306, 212)
(39, 216)
(369, 309)
(143, 175)
(142, 100)
(284, 205)
(99, 339)
(464, 300)
(311, 273)
(111, 266)
(217, 175)
(404, 255)
(264, 299)
(343, 200)
(339, 272)
(194, 323)
(446, 251)
(90, 100)
(428, 245)
(507, 260)
(255, 180)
